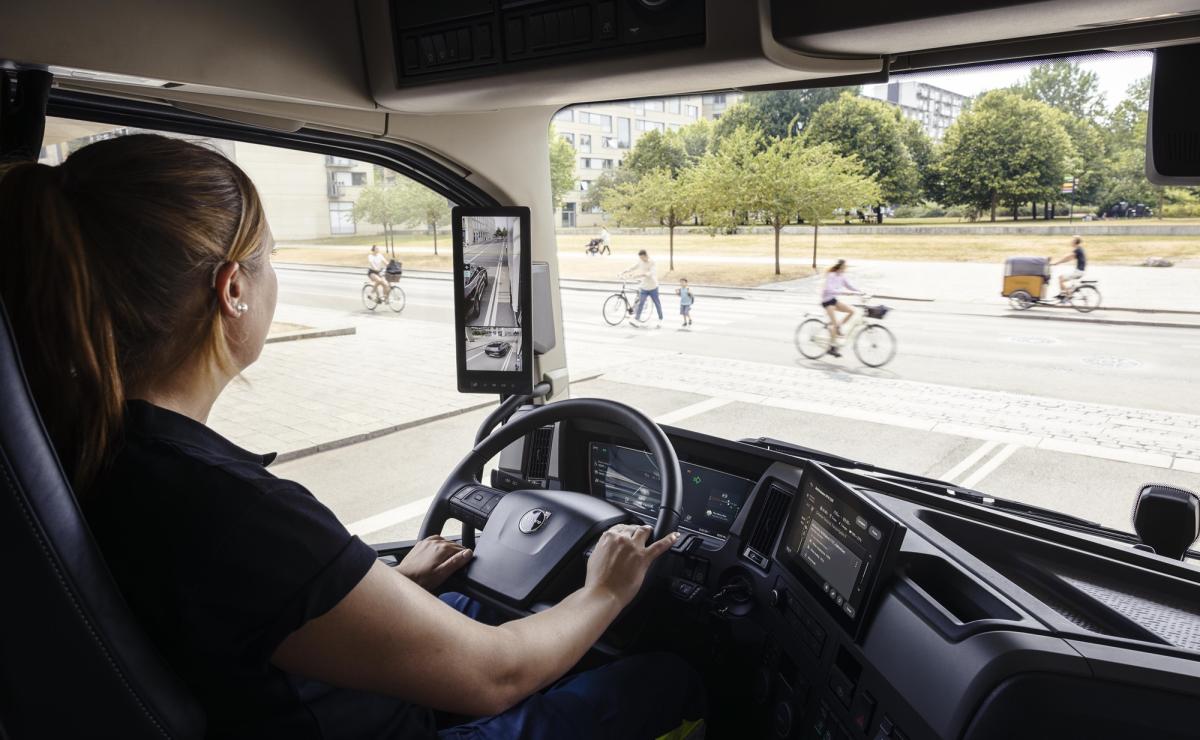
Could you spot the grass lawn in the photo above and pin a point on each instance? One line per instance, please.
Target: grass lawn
(747, 259)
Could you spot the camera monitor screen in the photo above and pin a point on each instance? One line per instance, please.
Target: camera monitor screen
(492, 294)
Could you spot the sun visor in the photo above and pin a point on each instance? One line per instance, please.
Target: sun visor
(1173, 128)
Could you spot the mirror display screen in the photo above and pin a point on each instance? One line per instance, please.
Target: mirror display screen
(630, 479)
(491, 262)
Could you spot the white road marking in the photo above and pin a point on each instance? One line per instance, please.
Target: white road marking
(693, 410)
(1190, 466)
(1138, 457)
(990, 466)
(391, 517)
(965, 464)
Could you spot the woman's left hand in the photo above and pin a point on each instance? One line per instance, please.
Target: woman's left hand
(433, 560)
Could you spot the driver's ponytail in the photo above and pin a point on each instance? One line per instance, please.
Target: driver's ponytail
(106, 270)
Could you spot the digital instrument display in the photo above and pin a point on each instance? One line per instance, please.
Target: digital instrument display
(630, 479)
(839, 544)
(492, 316)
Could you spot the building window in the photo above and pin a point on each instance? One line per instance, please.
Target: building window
(343, 178)
(595, 163)
(604, 122)
(610, 142)
(341, 218)
(568, 137)
(639, 107)
(358, 179)
(567, 114)
(673, 105)
(674, 126)
(585, 143)
(654, 105)
(651, 126)
(568, 215)
(692, 111)
(332, 161)
(584, 185)
(623, 138)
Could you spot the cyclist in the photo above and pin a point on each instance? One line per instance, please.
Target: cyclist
(647, 273)
(1080, 256)
(835, 285)
(377, 264)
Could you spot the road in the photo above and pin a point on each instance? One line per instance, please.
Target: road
(1074, 416)
(497, 301)
(488, 354)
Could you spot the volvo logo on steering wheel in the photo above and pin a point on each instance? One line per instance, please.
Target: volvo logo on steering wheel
(533, 520)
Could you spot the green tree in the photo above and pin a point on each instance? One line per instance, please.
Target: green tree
(870, 130)
(601, 187)
(1067, 86)
(658, 198)
(723, 188)
(1007, 149)
(829, 181)
(656, 150)
(783, 113)
(924, 157)
(562, 168)
(739, 115)
(381, 204)
(422, 206)
(696, 138)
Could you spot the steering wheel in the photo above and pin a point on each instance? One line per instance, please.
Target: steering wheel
(532, 537)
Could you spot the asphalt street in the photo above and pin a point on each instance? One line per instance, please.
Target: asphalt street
(736, 373)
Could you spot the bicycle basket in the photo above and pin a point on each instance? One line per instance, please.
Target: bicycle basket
(393, 272)
(877, 312)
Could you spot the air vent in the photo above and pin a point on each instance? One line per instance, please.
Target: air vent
(770, 519)
(537, 463)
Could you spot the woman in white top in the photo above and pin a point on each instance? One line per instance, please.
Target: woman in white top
(836, 284)
(377, 264)
(647, 273)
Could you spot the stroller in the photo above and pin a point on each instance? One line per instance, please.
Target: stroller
(596, 246)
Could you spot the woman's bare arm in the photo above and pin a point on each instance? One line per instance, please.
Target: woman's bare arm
(390, 636)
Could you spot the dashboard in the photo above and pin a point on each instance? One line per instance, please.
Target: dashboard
(825, 601)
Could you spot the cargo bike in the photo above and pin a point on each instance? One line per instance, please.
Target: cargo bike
(1025, 281)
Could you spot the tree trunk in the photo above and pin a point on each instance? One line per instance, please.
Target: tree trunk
(1033, 206)
(434, 238)
(671, 243)
(778, 227)
(1016, 208)
(815, 225)
(994, 199)
(878, 218)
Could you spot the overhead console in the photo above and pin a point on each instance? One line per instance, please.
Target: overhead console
(459, 39)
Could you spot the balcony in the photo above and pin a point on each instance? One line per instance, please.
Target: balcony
(332, 161)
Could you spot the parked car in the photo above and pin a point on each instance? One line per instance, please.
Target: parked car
(475, 280)
(1125, 209)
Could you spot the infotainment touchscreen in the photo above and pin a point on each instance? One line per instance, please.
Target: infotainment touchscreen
(839, 544)
(629, 478)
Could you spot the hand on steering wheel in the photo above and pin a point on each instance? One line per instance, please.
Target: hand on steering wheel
(619, 563)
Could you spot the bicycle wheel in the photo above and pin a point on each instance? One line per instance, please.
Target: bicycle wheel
(396, 299)
(812, 338)
(616, 308)
(1085, 298)
(368, 297)
(1020, 300)
(875, 345)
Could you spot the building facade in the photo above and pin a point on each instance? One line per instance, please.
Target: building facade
(604, 133)
(933, 107)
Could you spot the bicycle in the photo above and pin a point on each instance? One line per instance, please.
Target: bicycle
(874, 344)
(618, 307)
(395, 299)
(1083, 296)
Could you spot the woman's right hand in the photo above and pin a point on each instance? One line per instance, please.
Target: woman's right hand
(621, 558)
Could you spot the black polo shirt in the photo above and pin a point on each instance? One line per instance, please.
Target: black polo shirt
(220, 561)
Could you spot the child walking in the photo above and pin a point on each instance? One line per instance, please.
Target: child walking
(685, 301)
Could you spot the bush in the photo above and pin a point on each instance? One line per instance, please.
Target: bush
(1181, 210)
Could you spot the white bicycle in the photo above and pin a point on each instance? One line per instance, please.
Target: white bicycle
(874, 344)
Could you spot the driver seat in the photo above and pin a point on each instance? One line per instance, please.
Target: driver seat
(73, 661)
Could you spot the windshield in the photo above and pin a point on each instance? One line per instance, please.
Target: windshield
(1015, 305)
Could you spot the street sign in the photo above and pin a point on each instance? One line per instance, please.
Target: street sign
(1068, 187)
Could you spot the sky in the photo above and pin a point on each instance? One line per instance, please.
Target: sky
(1115, 71)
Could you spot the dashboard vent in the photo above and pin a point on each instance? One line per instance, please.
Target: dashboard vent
(538, 462)
(770, 519)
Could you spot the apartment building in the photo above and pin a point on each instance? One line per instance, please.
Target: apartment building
(933, 107)
(604, 133)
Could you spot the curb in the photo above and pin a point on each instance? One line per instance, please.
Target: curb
(1081, 320)
(291, 336)
(353, 439)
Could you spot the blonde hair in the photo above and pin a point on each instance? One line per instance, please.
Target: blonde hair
(107, 265)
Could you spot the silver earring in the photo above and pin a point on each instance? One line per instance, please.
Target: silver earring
(241, 308)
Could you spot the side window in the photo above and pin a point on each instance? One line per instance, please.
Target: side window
(339, 368)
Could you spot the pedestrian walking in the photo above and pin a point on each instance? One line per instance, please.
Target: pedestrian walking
(686, 299)
(647, 274)
(605, 237)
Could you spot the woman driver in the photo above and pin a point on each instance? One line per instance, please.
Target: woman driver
(281, 622)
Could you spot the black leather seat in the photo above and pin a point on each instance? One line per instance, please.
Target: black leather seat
(73, 662)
